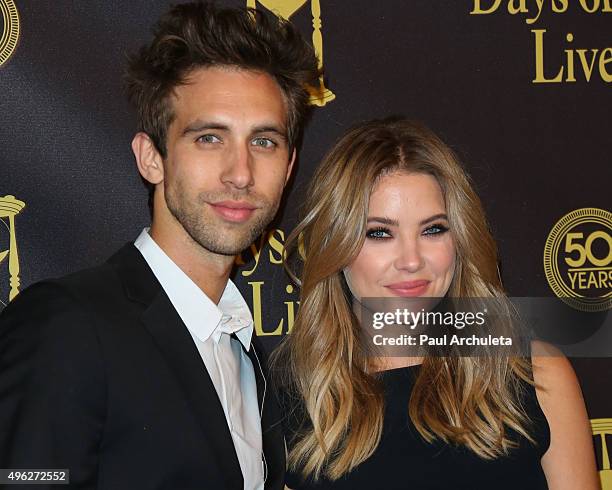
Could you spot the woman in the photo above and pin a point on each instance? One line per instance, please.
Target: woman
(391, 213)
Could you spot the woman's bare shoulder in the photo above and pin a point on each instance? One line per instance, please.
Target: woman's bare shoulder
(569, 462)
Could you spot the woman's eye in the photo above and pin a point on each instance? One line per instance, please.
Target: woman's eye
(208, 138)
(435, 230)
(378, 234)
(264, 143)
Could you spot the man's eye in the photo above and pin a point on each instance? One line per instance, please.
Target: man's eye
(435, 230)
(208, 138)
(378, 233)
(264, 143)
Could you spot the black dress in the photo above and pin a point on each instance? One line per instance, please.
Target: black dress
(403, 460)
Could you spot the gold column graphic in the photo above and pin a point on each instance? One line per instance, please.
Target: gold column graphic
(9, 208)
(602, 428)
(319, 95)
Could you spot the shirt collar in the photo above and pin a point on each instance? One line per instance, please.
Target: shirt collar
(199, 313)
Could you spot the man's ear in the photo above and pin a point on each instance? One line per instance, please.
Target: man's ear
(290, 167)
(148, 159)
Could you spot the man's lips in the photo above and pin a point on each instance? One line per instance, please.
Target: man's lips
(408, 288)
(236, 211)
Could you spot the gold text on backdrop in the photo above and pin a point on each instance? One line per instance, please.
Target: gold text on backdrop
(591, 61)
(580, 64)
(270, 248)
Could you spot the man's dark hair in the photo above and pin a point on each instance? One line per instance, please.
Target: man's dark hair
(199, 35)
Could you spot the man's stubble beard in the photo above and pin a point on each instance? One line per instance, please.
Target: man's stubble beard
(214, 237)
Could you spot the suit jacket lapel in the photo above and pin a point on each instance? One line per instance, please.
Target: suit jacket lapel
(177, 347)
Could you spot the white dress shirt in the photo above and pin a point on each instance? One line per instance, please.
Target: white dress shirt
(229, 367)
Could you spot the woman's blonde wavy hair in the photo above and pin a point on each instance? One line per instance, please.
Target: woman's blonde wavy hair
(464, 401)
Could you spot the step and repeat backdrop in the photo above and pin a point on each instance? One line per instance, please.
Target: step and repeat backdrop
(520, 89)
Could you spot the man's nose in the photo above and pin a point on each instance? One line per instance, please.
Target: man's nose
(238, 170)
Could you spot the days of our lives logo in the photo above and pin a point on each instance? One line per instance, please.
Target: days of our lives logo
(580, 63)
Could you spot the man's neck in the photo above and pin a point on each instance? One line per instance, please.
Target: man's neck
(209, 271)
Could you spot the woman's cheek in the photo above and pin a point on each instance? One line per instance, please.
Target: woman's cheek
(446, 260)
(365, 271)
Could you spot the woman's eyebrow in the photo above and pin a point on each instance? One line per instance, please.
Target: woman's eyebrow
(393, 222)
(383, 220)
(434, 218)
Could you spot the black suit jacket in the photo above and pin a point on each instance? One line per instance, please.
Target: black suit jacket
(98, 374)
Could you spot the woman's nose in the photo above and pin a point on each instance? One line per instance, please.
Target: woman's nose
(408, 256)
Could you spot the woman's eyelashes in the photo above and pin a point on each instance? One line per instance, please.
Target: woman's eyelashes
(382, 233)
(378, 233)
(435, 229)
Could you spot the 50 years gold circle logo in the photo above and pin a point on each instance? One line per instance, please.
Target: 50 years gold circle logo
(10, 29)
(578, 259)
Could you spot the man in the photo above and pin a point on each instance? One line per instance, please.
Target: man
(144, 373)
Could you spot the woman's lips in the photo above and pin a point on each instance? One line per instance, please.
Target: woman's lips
(408, 288)
(235, 211)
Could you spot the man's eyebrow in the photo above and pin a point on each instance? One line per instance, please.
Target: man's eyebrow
(270, 128)
(197, 126)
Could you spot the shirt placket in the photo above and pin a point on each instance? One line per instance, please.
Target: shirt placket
(222, 352)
